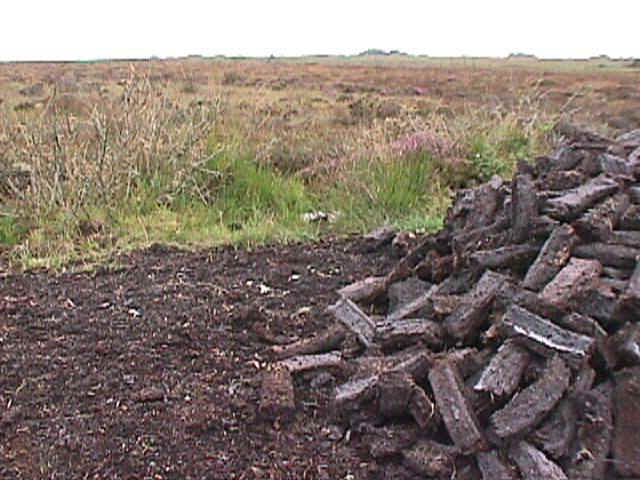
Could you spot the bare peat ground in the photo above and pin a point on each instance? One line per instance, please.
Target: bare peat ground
(152, 369)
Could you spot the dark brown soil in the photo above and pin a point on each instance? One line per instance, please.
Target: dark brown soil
(152, 369)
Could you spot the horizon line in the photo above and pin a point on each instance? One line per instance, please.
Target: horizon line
(364, 54)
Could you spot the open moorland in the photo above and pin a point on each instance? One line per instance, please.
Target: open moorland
(166, 225)
(108, 156)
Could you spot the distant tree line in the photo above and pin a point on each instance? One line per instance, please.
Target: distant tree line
(522, 55)
(377, 51)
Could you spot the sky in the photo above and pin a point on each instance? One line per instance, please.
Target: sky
(91, 29)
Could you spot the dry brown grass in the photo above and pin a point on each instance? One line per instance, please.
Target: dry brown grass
(84, 142)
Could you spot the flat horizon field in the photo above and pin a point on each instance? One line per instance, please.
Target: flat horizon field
(108, 156)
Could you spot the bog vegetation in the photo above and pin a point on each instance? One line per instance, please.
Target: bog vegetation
(111, 156)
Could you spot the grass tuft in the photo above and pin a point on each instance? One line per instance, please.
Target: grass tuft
(179, 160)
(249, 192)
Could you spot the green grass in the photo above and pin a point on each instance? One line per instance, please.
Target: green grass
(487, 159)
(251, 203)
(11, 231)
(199, 176)
(495, 143)
(249, 192)
(404, 191)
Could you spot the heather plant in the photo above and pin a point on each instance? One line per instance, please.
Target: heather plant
(240, 151)
(497, 138)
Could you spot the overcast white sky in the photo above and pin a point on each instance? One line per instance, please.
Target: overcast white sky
(89, 29)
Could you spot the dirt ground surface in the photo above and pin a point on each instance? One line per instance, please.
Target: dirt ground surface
(151, 369)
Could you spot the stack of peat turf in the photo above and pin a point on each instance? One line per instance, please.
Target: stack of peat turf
(506, 346)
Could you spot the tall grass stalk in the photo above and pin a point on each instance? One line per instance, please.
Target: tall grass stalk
(141, 167)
